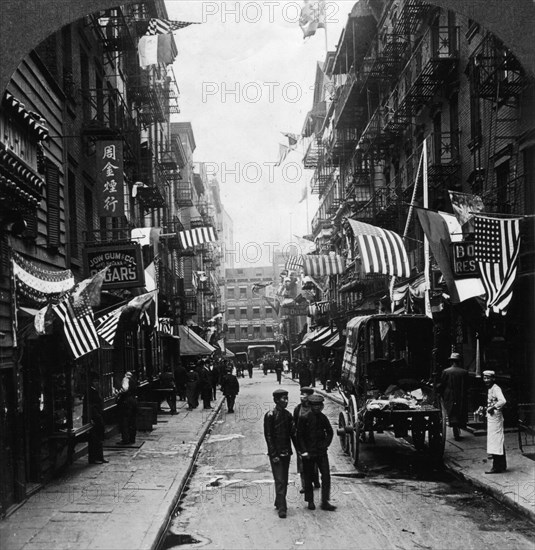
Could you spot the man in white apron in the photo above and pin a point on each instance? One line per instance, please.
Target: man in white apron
(495, 431)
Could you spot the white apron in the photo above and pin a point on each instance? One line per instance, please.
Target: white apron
(495, 431)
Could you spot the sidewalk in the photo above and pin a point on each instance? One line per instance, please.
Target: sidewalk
(126, 503)
(467, 459)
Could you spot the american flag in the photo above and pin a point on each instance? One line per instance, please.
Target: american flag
(197, 236)
(497, 245)
(107, 325)
(165, 26)
(78, 326)
(294, 262)
(381, 250)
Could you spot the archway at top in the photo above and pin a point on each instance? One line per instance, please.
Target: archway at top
(24, 25)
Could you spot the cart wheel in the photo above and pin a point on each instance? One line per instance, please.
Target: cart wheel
(418, 433)
(437, 433)
(342, 433)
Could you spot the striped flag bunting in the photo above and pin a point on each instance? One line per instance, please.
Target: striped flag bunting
(164, 26)
(381, 250)
(497, 245)
(165, 325)
(323, 265)
(78, 327)
(197, 236)
(294, 262)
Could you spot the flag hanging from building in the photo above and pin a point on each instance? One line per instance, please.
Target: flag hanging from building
(465, 207)
(107, 325)
(323, 265)
(497, 245)
(165, 26)
(312, 17)
(78, 327)
(381, 250)
(197, 236)
(283, 153)
(257, 287)
(292, 139)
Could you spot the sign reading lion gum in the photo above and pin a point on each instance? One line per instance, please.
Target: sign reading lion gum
(125, 267)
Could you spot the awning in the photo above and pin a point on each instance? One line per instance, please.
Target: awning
(323, 336)
(332, 341)
(313, 335)
(229, 354)
(323, 265)
(192, 344)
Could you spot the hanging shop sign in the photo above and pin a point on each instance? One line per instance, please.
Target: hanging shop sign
(124, 262)
(463, 258)
(110, 178)
(295, 310)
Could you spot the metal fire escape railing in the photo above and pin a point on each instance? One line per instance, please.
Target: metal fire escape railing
(411, 14)
(444, 159)
(431, 63)
(499, 75)
(115, 30)
(313, 154)
(106, 114)
(149, 91)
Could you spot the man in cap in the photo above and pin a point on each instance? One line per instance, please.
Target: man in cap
(279, 432)
(301, 410)
(230, 387)
(453, 387)
(495, 431)
(314, 437)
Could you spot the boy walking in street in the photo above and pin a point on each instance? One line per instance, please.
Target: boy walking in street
(230, 388)
(314, 437)
(279, 432)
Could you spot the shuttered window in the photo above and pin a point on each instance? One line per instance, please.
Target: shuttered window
(52, 205)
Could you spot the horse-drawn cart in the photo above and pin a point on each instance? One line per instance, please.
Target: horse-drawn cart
(388, 383)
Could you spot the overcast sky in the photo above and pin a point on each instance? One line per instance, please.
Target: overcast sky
(245, 75)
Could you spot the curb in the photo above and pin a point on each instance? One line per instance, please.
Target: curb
(492, 491)
(161, 531)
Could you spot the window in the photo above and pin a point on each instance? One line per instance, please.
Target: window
(240, 271)
(256, 332)
(243, 292)
(268, 311)
(243, 312)
(230, 292)
(232, 333)
(73, 215)
(269, 331)
(231, 312)
(256, 312)
(243, 333)
(52, 205)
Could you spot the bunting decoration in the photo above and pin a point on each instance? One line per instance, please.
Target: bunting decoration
(37, 284)
(322, 265)
(497, 245)
(294, 263)
(283, 153)
(165, 325)
(107, 325)
(194, 237)
(381, 251)
(165, 26)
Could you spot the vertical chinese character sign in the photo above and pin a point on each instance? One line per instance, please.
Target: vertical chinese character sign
(110, 178)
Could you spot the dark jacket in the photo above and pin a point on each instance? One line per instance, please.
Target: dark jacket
(230, 385)
(279, 432)
(453, 387)
(315, 434)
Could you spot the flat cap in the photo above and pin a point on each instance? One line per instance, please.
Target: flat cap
(489, 373)
(316, 398)
(455, 356)
(307, 390)
(279, 393)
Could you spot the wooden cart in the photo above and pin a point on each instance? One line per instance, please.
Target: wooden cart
(388, 383)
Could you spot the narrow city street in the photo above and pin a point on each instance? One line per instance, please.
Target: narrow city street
(395, 500)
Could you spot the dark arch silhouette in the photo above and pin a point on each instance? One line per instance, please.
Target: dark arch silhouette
(23, 25)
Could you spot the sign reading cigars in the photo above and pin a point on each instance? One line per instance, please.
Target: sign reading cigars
(125, 266)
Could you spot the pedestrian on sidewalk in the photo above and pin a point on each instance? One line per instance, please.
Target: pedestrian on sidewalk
(93, 413)
(453, 388)
(205, 384)
(279, 433)
(301, 410)
(495, 428)
(192, 388)
(180, 381)
(313, 439)
(250, 368)
(305, 380)
(127, 409)
(278, 370)
(167, 382)
(230, 387)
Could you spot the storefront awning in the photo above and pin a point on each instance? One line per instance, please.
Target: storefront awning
(316, 333)
(323, 336)
(192, 344)
(332, 341)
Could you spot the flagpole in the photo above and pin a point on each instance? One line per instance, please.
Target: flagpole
(427, 260)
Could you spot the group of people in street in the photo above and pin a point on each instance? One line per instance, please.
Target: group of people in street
(310, 433)
(453, 387)
(322, 369)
